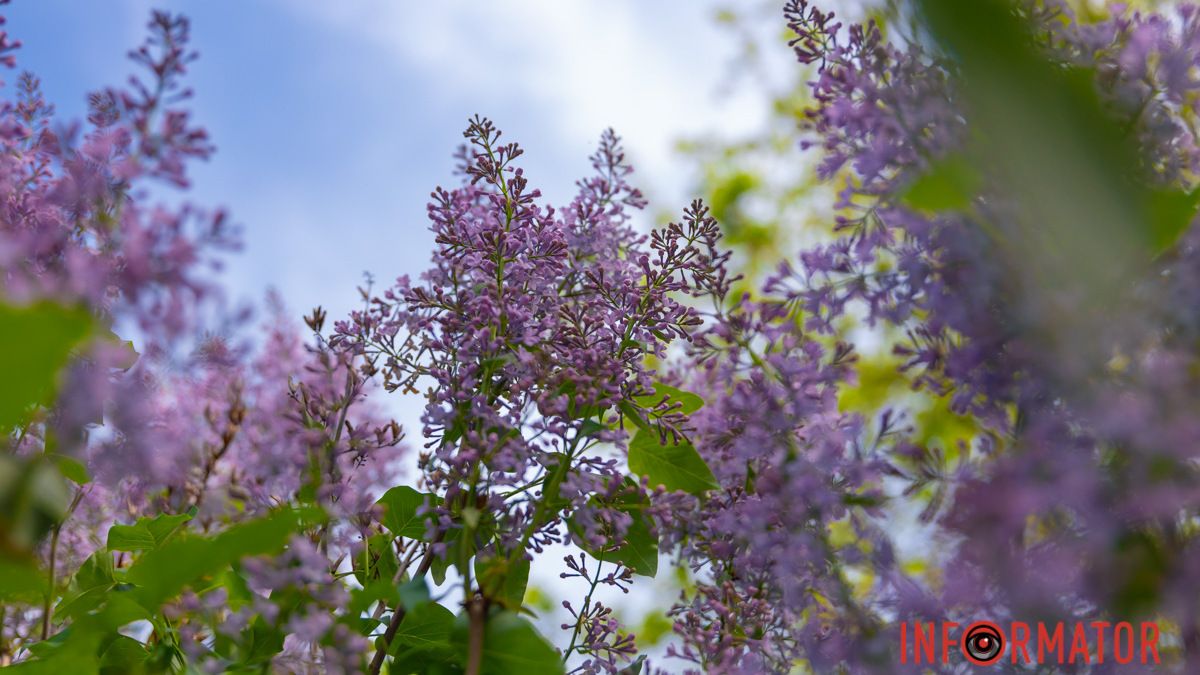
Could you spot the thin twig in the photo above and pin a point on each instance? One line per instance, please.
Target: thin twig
(398, 615)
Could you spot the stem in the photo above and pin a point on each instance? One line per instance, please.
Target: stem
(587, 602)
(477, 615)
(47, 607)
(398, 615)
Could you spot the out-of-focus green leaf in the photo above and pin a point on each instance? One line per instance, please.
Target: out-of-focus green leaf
(165, 571)
(414, 592)
(1044, 133)
(34, 497)
(950, 184)
(20, 581)
(1172, 212)
(511, 645)
(124, 655)
(72, 469)
(1083, 216)
(35, 343)
(381, 590)
(675, 466)
(146, 533)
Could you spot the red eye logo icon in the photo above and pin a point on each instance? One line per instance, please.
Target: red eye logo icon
(983, 643)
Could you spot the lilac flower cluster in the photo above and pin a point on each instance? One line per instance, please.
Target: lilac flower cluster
(535, 329)
(208, 429)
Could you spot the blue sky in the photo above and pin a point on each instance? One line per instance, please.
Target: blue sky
(334, 120)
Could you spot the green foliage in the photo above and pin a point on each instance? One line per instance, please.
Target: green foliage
(670, 396)
(401, 506)
(423, 638)
(673, 464)
(503, 581)
(20, 581)
(71, 469)
(948, 185)
(147, 533)
(511, 645)
(100, 599)
(34, 498)
(162, 573)
(35, 343)
(89, 587)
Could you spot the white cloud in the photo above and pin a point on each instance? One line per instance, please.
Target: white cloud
(650, 70)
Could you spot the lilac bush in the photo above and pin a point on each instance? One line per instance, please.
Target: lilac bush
(187, 488)
(202, 443)
(1017, 205)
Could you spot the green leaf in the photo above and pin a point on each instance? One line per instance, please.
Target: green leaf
(33, 499)
(688, 402)
(426, 625)
(89, 587)
(400, 511)
(380, 561)
(552, 486)
(591, 427)
(633, 414)
(639, 549)
(163, 572)
(503, 581)
(413, 592)
(35, 343)
(20, 581)
(381, 590)
(146, 534)
(123, 655)
(74, 650)
(1171, 214)
(72, 469)
(455, 542)
(949, 185)
(676, 466)
(511, 646)
(262, 643)
(422, 643)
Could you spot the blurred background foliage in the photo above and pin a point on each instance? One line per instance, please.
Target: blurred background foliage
(765, 193)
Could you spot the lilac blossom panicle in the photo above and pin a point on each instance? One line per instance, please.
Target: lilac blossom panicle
(219, 427)
(533, 332)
